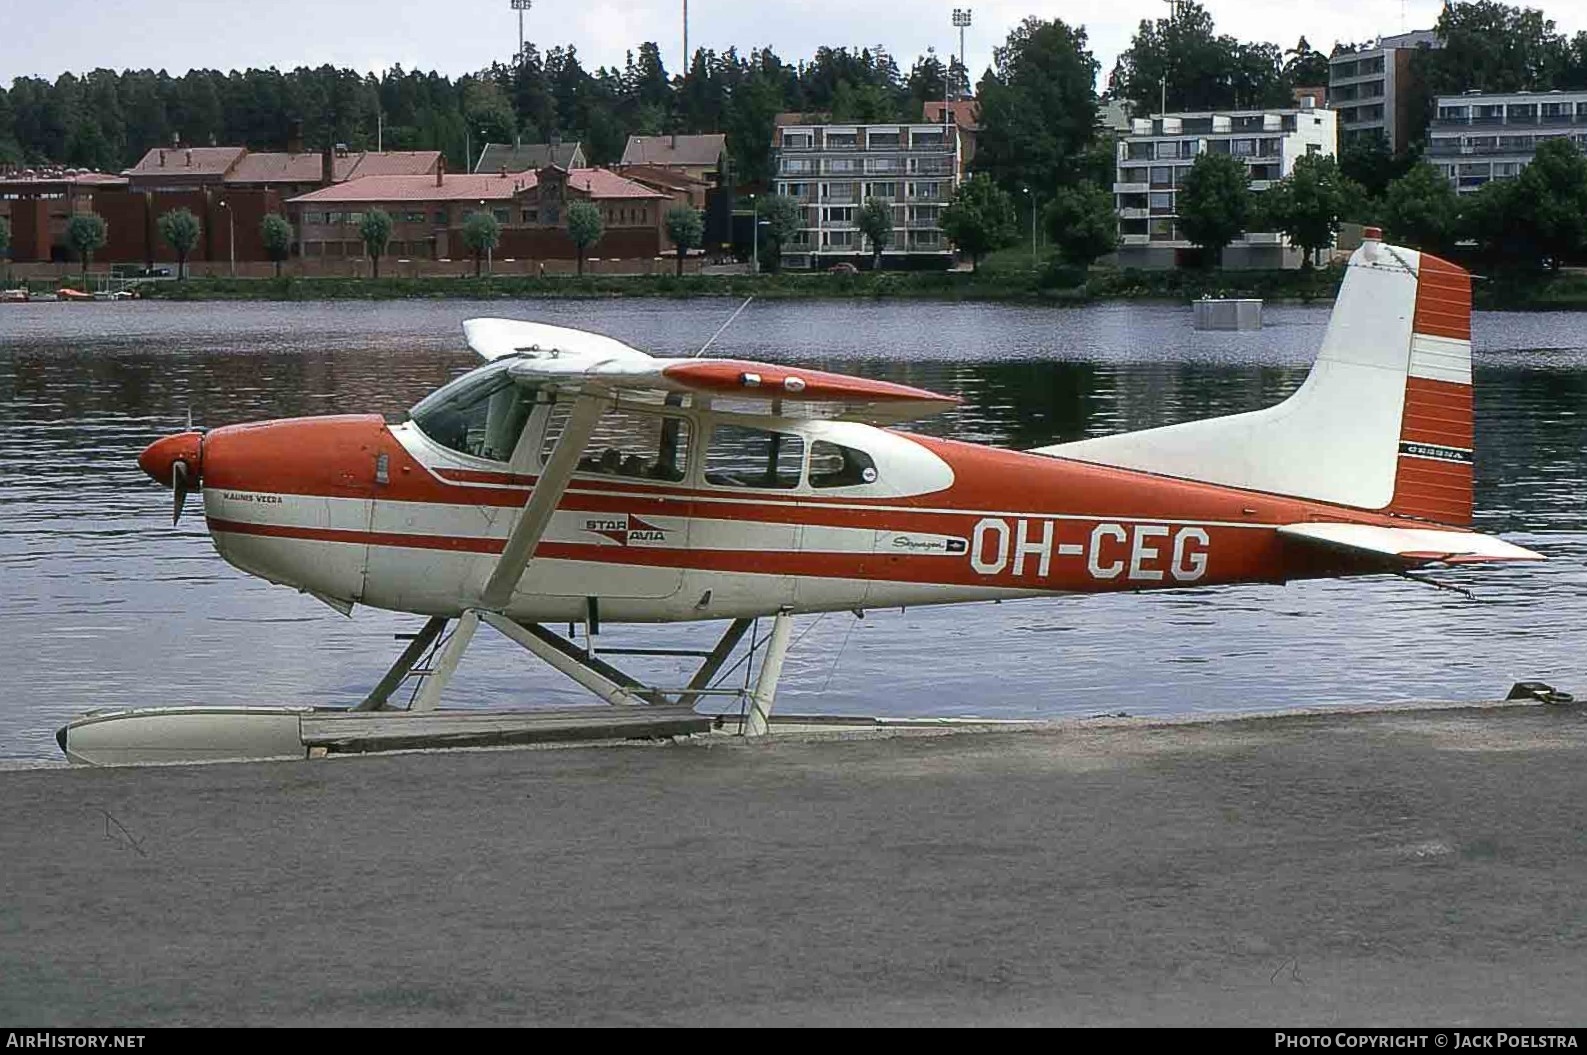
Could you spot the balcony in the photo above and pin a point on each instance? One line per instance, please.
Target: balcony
(1135, 239)
(1130, 188)
(1133, 214)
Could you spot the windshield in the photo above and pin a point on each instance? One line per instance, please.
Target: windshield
(481, 414)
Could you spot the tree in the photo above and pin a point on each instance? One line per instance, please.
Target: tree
(1082, 223)
(1552, 190)
(686, 228)
(1214, 204)
(979, 219)
(5, 245)
(1492, 218)
(1368, 161)
(875, 221)
(585, 228)
(375, 231)
(86, 233)
(1422, 210)
(481, 233)
(1497, 48)
(276, 233)
(179, 228)
(782, 217)
(1308, 204)
(1183, 62)
(1305, 66)
(1038, 106)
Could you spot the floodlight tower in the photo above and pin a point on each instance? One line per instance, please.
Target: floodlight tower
(521, 6)
(961, 19)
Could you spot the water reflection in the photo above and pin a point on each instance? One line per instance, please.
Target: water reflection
(104, 604)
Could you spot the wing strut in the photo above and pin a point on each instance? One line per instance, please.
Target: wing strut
(543, 500)
(520, 546)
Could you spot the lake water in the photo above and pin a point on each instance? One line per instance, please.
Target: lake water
(103, 603)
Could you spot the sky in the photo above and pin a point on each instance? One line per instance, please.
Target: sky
(458, 36)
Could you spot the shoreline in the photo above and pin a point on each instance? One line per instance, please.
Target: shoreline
(1416, 865)
(1049, 286)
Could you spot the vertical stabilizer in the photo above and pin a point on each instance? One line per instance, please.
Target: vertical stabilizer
(1382, 422)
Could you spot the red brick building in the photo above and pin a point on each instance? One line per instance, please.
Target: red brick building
(428, 213)
(38, 203)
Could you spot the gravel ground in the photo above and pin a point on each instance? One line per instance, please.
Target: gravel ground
(1405, 867)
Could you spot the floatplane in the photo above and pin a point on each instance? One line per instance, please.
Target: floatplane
(573, 479)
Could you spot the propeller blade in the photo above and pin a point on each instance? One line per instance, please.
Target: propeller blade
(178, 489)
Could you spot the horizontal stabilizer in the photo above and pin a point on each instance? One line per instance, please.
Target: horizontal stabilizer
(1412, 546)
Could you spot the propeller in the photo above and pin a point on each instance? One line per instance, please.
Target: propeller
(178, 489)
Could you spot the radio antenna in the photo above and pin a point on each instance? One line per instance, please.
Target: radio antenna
(724, 326)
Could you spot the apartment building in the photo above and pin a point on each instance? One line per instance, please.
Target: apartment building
(1478, 137)
(1372, 88)
(831, 169)
(1155, 157)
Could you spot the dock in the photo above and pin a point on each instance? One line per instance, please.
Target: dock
(1408, 866)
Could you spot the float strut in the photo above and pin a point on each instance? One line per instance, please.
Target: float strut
(446, 663)
(713, 662)
(376, 700)
(765, 693)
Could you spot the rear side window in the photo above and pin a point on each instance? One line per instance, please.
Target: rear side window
(746, 457)
(834, 465)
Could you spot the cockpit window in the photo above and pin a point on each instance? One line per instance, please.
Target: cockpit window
(744, 457)
(479, 415)
(834, 465)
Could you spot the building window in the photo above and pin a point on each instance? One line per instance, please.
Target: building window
(1162, 176)
(314, 217)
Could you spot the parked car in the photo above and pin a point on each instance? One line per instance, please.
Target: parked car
(843, 269)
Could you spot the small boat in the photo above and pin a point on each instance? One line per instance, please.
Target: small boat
(72, 294)
(13, 296)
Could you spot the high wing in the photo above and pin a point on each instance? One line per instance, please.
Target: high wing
(1408, 546)
(589, 361)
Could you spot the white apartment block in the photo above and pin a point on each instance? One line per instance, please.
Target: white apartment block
(1156, 156)
(1478, 137)
(1370, 89)
(832, 169)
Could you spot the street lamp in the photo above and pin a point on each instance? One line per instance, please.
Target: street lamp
(961, 19)
(754, 254)
(1032, 196)
(489, 249)
(521, 6)
(231, 236)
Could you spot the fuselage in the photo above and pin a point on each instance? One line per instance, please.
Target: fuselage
(684, 512)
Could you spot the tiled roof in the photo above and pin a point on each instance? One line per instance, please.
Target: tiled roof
(81, 178)
(454, 187)
(674, 150)
(186, 161)
(966, 112)
(276, 167)
(598, 183)
(656, 176)
(391, 163)
(526, 156)
(604, 183)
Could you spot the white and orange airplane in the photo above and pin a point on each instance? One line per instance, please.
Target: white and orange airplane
(572, 478)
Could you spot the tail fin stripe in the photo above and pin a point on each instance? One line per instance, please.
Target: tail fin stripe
(1443, 300)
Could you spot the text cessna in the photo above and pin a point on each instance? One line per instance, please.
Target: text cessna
(1135, 552)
